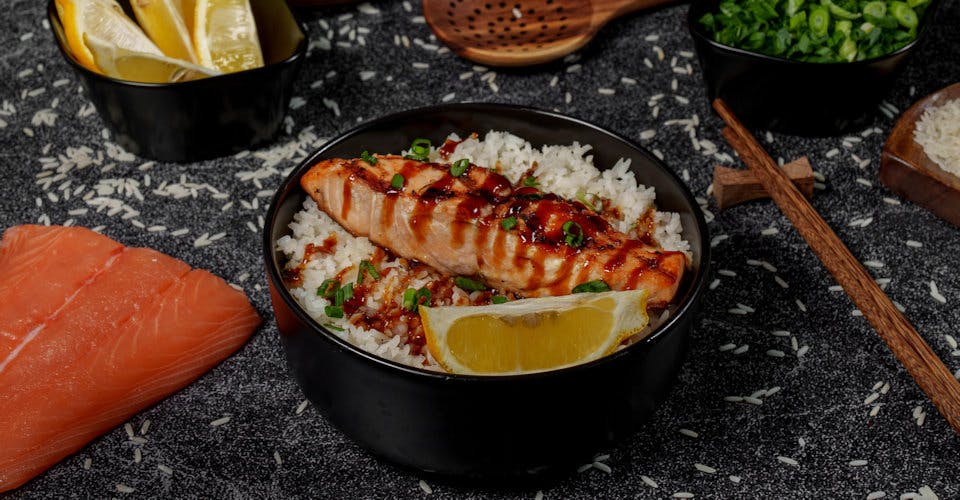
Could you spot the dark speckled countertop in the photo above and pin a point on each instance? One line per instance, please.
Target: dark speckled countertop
(839, 417)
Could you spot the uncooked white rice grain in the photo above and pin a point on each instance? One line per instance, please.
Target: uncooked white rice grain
(734, 479)
(714, 284)
(876, 495)
(952, 342)
(137, 455)
(683, 494)
(649, 482)
(776, 353)
(752, 400)
(780, 333)
(584, 467)
(857, 463)
(935, 293)
(538, 496)
(801, 305)
(733, 399)
(885, 389)
(276, 458)
(927, 493)
(164, 469)
(705, 468)
(787, 460)
(875, 410)
(122, 488)
(129, 429)
(689, 433)
(871, 398)
(425, 487)
(87, 463)
(220, 421)
(602, 466)
(802, 350)
(727, 347)
(302, 406)
(726, 272)
(742, 349)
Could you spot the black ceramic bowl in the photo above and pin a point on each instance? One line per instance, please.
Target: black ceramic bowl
(200, 119)
(508, 427)
(795, 97)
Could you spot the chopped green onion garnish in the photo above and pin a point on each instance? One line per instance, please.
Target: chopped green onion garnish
(904, 15)
(344, 294)
(425, 295)
(582, 198)
(459, 167)
(328, 288)
(410, 299)
(415, 298)
(367, 157)
(397, 181)
(366, 267)
(469, 284)
(531, 182)
(333, 311)
(419, 150)
(498, 299)
(572, 233)
(508, 223)
(592, 287)
(333, 327)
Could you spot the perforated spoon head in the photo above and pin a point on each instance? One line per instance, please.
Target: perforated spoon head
(522, 32)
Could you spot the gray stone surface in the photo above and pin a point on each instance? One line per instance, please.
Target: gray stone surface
(817, 418)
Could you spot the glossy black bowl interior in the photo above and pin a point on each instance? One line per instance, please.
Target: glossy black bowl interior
(794, 97)
(200, 119)
(485, 427)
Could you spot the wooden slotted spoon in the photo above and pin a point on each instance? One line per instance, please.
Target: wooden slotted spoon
(489, 31)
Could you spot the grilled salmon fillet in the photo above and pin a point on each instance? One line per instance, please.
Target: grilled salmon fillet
(479, 224)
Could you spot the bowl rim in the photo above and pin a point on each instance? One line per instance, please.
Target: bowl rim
(291, 183)
(54, 18)
(697, 31)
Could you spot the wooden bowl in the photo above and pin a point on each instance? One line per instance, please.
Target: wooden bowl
(906, 170)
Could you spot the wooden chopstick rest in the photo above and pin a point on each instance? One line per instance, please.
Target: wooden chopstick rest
(732, 186)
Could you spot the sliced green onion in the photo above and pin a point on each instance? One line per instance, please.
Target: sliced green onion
(366, 267)
(425, 295)
(572, 233)
(582, 198)
(397, 181)
(874, 9)
(333, 311)
(367, 157)
(459, 167)
(328, 288)
(415, 298)
(410, 299)
(592, 287)
(469, 284)
(819, 21)
(839, 11)
(419, 150)
(333, 327)
(508, 223)
(498, 299)
(531, 182)
(904, 15)
(344, 294)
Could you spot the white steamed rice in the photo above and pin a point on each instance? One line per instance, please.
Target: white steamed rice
(562, 170)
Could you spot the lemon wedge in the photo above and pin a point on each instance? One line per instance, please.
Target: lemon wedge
(105, 20)
(531, 335)
(117, 62)
(164, 23)
(225, 35)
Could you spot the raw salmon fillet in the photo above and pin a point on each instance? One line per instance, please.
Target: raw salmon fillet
(92, 332)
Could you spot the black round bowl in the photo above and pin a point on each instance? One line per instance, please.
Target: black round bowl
(795, 97)
(200, 119)
(507, 427)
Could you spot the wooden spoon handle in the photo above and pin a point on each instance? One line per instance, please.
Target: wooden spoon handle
(914, 354)
(605, 10)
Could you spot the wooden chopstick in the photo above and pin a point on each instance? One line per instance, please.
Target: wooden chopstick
(914, 354)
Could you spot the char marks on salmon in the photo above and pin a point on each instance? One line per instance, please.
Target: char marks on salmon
(478, 224)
